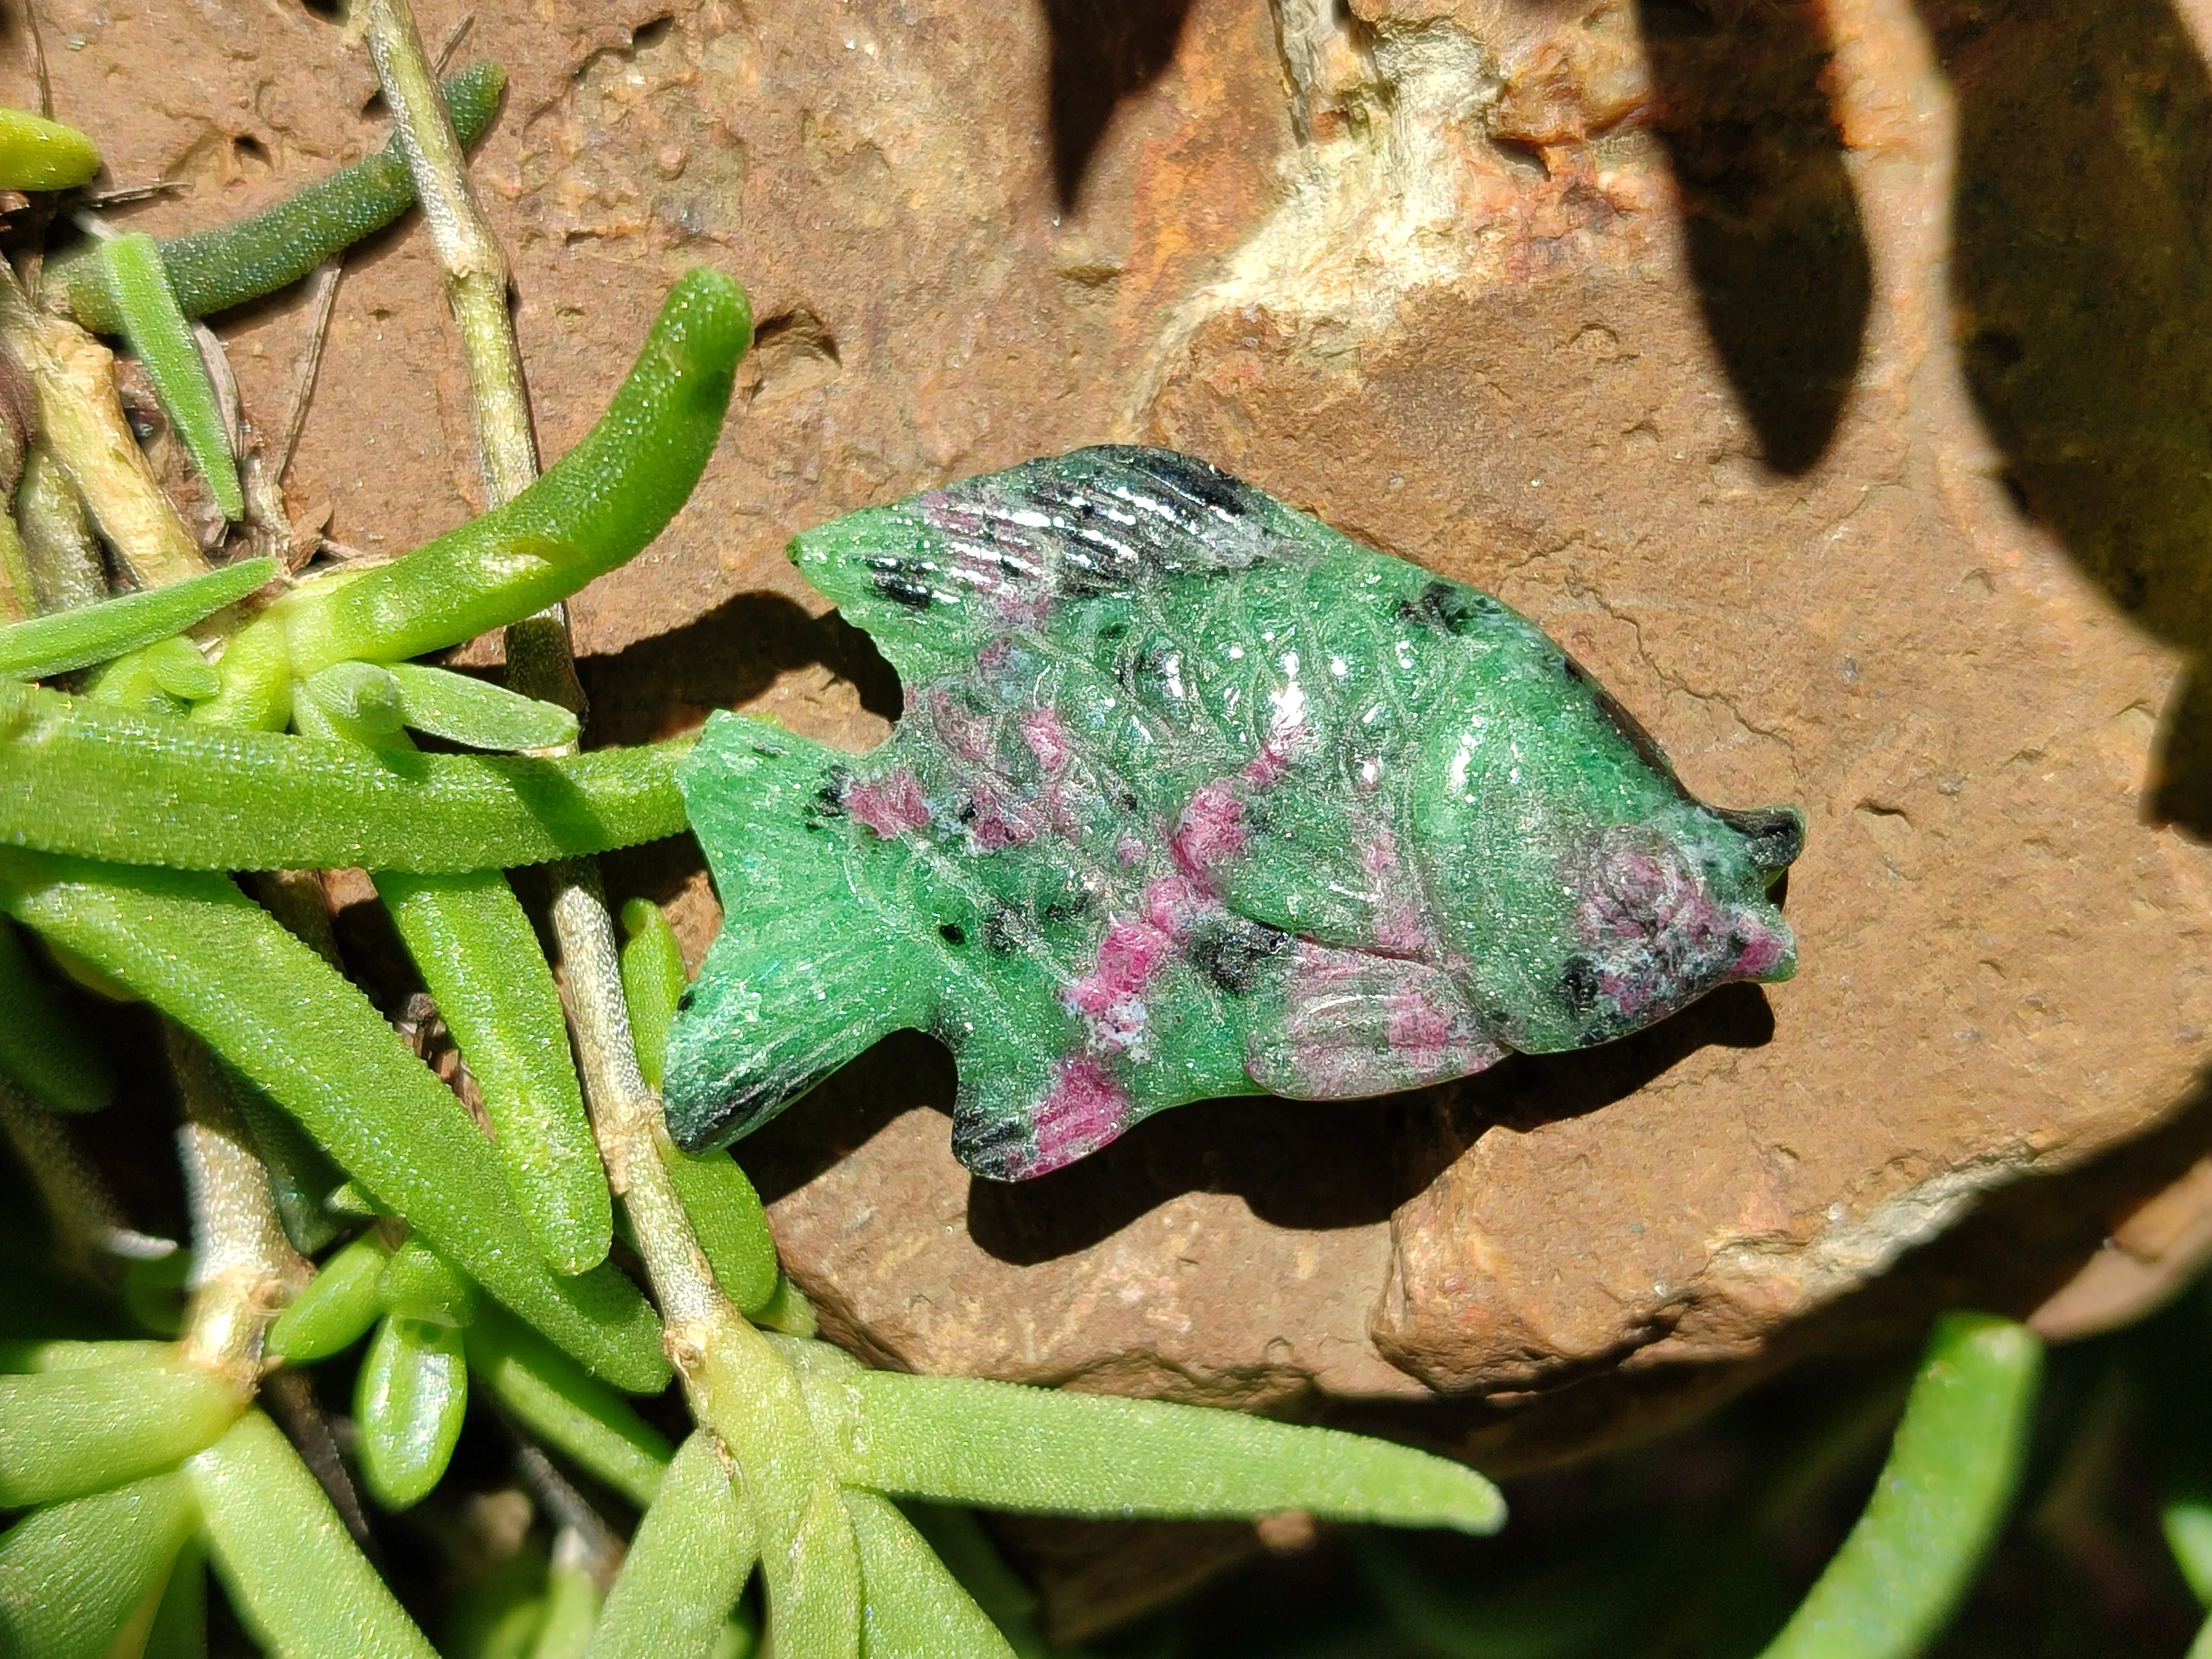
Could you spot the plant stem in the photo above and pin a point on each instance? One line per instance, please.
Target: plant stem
(243, 1269)
(327, 276)
(626, 1114)
(569, 1512)
(736, 1384)
(476, 281)
(475, 269)
(85, 1214)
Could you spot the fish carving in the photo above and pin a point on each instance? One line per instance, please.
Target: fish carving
(1192, 796)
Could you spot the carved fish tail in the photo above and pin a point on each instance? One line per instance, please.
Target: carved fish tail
(807, 970)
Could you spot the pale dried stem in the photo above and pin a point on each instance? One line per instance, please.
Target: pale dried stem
(290, 1399)
(475, 269)
(216, 361)
(268, 528)
(243, 1269)
(261, 470)
(85, 1214)
(80, 421)
(326, 279)
(540, 661)
(626, 1114)
(632, 1132)
(451, 44)
(39, 59)
(122, 193)
(346, 553)
(589, 1543)
(215, 529)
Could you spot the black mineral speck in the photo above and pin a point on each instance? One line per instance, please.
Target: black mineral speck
(1578, 985)
(828, 801)
(1063, 906)
(901, 582)
(1231, 953)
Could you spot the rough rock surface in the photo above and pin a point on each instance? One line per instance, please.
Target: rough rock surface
(1650, 324)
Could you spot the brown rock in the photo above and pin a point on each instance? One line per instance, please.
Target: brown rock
(1650, 331)
(1998, 949)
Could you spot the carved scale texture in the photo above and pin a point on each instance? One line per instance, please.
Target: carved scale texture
(1193, 796)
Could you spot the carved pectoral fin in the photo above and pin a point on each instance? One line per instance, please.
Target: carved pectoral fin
(1356, 1025)
(1326, 870)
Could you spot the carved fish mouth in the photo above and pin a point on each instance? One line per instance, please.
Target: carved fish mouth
(1774, 837)
(1765, 950)
(1654, 936)
(1611, 994)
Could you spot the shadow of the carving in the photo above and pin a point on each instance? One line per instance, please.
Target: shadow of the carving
(1296, 1164)
(671, 683)
(846, 1110)
(1102, 51)
(2082, 275)
(1775, 241)
(1312, 1164)
(1303, 1164)
(1527, 1091)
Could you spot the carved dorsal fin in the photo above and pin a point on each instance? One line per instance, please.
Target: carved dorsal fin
(934, 577)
